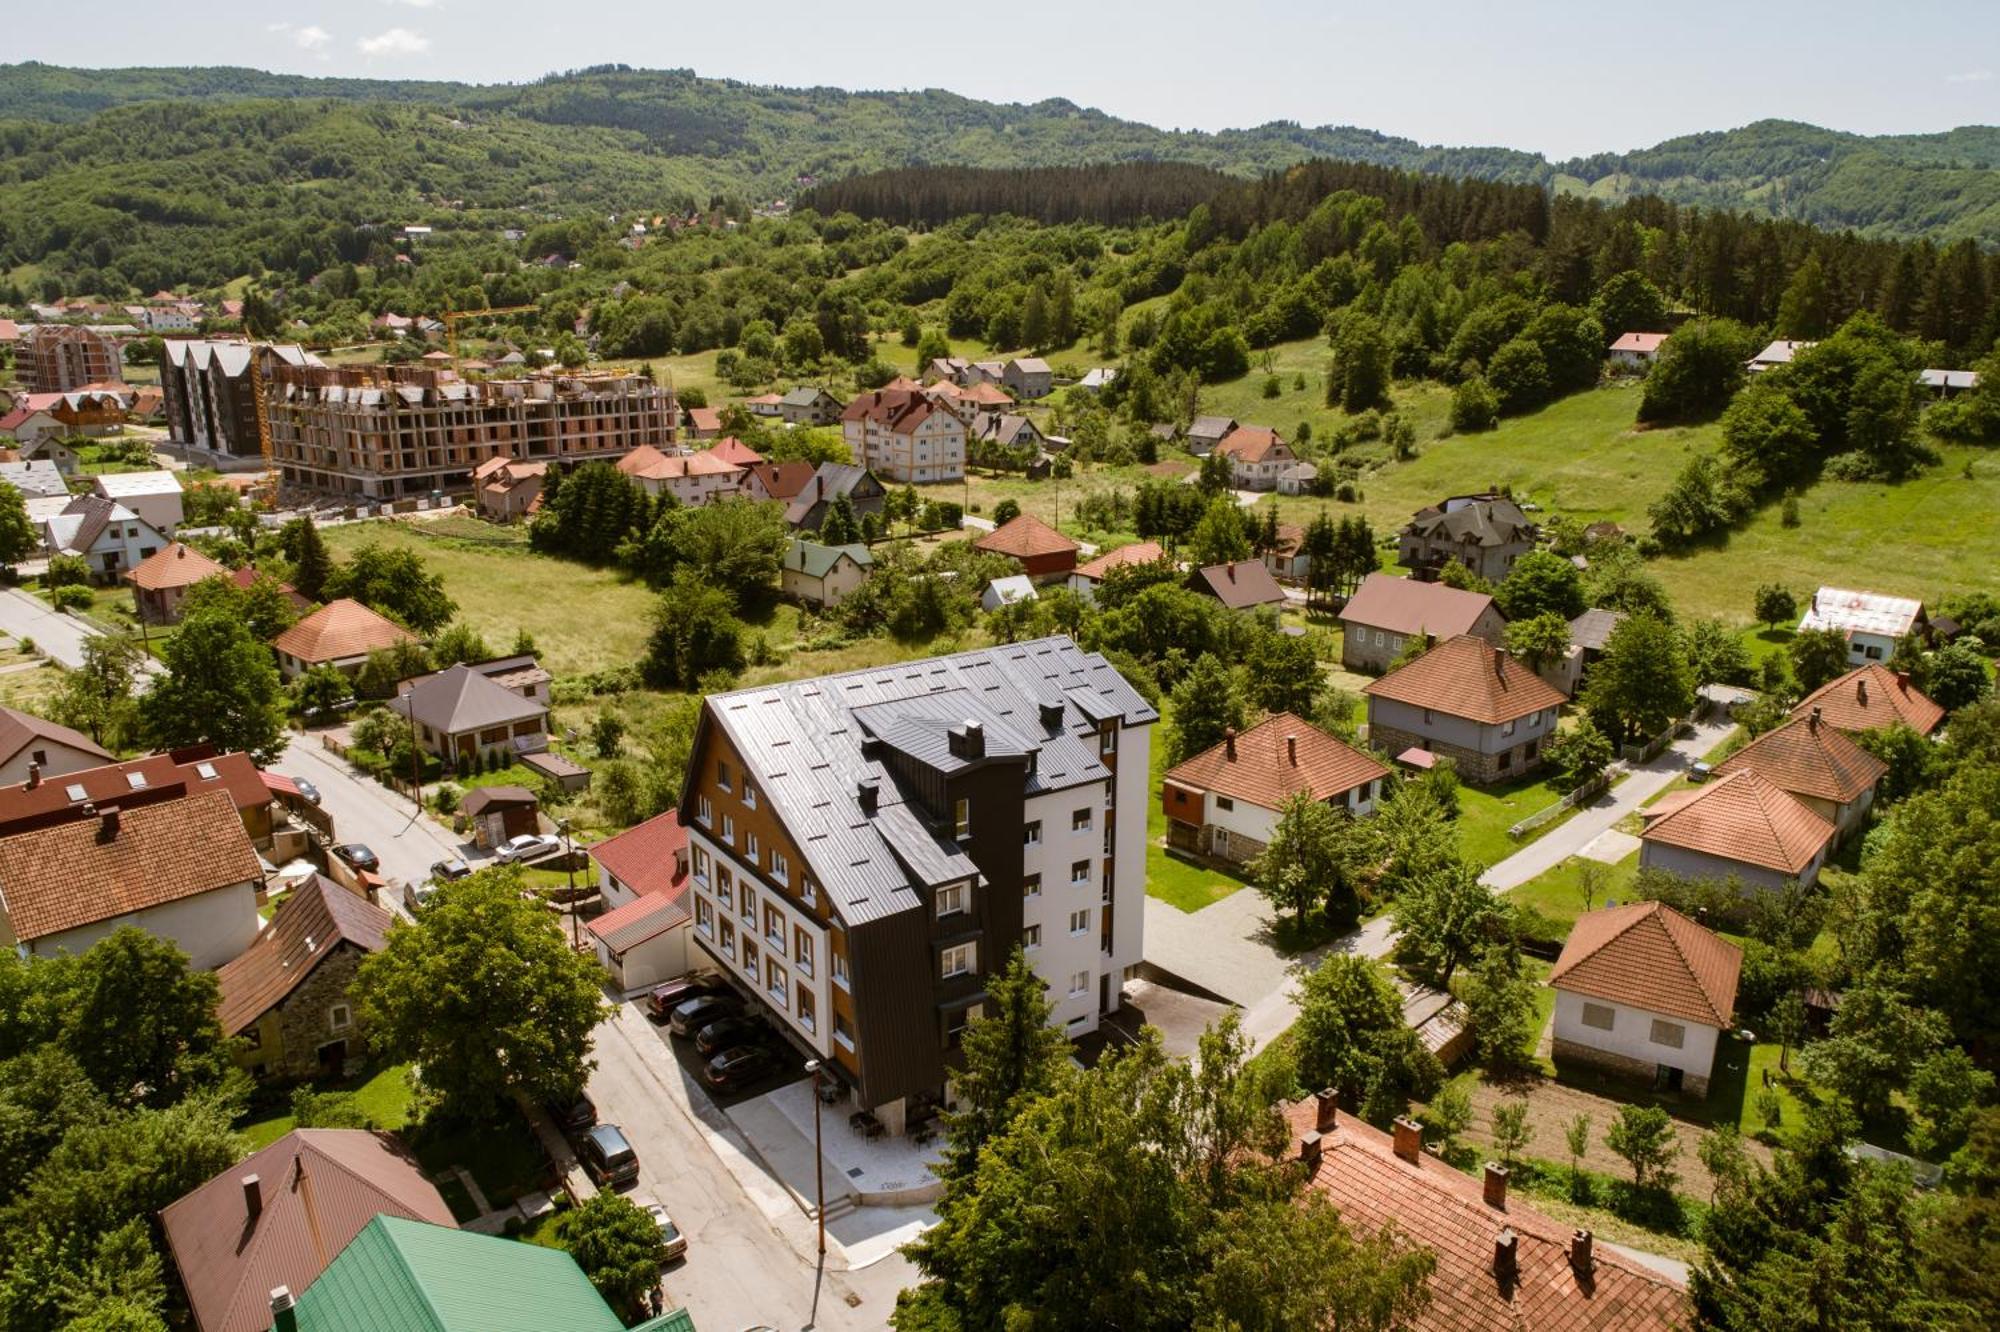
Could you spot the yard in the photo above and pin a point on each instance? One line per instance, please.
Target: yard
(1557, 893)
(1487, 812)
(383, 1094)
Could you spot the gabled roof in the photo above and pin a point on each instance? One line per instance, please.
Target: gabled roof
(1744, 817)
(318, 1189)
(312, 921)
(817, 561)
(1212, 427)
(338, 630)
(646, 857)
(175, 565)
(1280, 756)
(1861, 612)
(1252, 444)
(1810, 757)
(124, 485)
(705, 419)
(1012, 588)
(482, 798)
(20, 730)
(1642, 343)
(139, 780)
(1468, 677)
(1025, 537)
(1650, 956)
(624, 928)
(804, 396)
(734, 451)
(1136, 553)
(829, 481)
(1473, 520)
(1872, 698)
(1410, 607)
(1780, 352)
(460, 699)
(1030, 365)
(1592, 629)
(1242, 585)
(781, 481)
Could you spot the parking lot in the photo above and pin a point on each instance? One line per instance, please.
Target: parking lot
(785, 1064)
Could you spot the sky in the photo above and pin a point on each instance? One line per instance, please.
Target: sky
(1559, 77)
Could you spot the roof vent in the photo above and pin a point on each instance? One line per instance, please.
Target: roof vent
(868, 792)
(1292, 750)
(284, 1310)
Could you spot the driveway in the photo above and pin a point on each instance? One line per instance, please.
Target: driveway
(57, 636)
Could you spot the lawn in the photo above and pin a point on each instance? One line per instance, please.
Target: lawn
(1171, 878)
(504, 1157)
(1555, 892)
(1486, 813)
(31, 690)
(382, 1094)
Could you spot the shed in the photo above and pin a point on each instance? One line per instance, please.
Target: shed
(498, 813)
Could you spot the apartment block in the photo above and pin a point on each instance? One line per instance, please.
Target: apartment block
(867, 849)
(381, 432)
(903, 436)
(207, 395)
(57, 358)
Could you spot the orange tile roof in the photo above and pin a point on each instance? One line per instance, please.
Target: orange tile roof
(338, 630)
(1810, 757)
(1650, 956)
(1743, 817)
(311, 922)
(1260, 767)
(1468, 677)
(648, 462)
(1024, 537)
(73, 874)
(1139, 552)
(1251, 444)
(1872, 698)
(1437, 1208)
(733, 450)
(175, 565)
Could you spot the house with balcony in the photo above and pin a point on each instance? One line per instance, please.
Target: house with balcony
(1226, 801)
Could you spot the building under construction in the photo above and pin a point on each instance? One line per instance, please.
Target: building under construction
(206, 392)
(60, 358)
(386, 432)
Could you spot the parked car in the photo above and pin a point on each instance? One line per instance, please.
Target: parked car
(307, 791)
(608, 1156)
(448, 871)
(357, 856)
(417, 896)
(725, 1033)
(575, 1114)
(528, 846)
(664, 999)
(1699, 773)
(695, 1014)
(734, 1068)
(673, 1244)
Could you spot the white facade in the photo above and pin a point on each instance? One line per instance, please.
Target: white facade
(53, 756)
(733, 916)
(211, 928)
(1635, 1034)
(1232, 818)
(933, 451)
(660, 958)
(154, 496)
(125, 542)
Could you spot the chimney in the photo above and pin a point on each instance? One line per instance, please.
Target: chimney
(1409, 1138)
(1861, 691)
(284, 1310)
(1229, 743)
(253, 1197)
(1326, 1109)
(1500, 662)
(1495, 1185)
(107, 824)
(1579, 1252)
(819, 484)
(1506, 1247)
(1052, 714)
(1812, 722)
(1292, 750)
(1309, 1150)
(868, 791)
(34, 775)
(1903, 681)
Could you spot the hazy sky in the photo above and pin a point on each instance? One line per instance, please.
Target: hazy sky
(1557, 76)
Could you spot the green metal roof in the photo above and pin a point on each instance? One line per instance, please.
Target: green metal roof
(816, 561)
(678, 1320)
(407, 1276)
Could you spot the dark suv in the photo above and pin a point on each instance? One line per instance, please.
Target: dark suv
(608, 1157)
(695, 1014)
(664, 999)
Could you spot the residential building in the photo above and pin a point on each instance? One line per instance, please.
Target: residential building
(508, 488)
(1027, 377)
(1589, 635)
(1500, 1264)
(161, 581)
(1097, 378)
(1246, 585)
(170, 319)
(1386, 612)
(823, 576)
(1949, 383)
(33, 749)
(41, 798)
(1872, 698)
(1636, 351)
(642, 937)
(285, 1002)
(1007, 429)
(25, 423)
(276, 1219)
(764, 404)
(56, 358)
(1208, 431)
(155, 496)
(693, 479)
(1485, 533)
(1226, 800)
(1468, 701)
(1741, 826)
(829, 482)
(105, 533)
(901, 435)
(1085, 578)
(1007, 591)
(340, 634)
(93, 409)
(35, 478)
(809, 407)
(383, 432)
(465, 717)
(781, 482)
(51, 449)
(180, 868)
(207, 386)
(734, 450)
(702, 422)
(1298, 479)
(946, 369)
(1644, 992)
(866, 848)
(1871, 622)
(497, 814)
(1288, 560)
(1257, 455)
(1042, 552)
(1814, 762)
(1776, 354)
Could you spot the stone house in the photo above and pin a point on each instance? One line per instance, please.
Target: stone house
(1468, 701)
(285, 998)
(1027, 377)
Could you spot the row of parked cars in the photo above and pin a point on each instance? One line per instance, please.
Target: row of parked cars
(735, 1045)
(612, 1163)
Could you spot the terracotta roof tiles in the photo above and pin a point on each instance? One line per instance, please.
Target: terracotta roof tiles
(1872, 698)
(1810, 757)
(312, 921)
(339, 630)
(1138, 552)
(1650, 956)
(176, 565)
(1276, 758)
(1025, 537)
(1743, 817)
(1468, 677)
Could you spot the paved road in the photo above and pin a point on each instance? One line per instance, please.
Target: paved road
(57, 636)
(407, 844)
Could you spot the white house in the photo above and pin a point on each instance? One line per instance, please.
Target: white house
(1872, 622)
(1226, 800)
(33, 749)
(1778, 353)
(1643, 991)
(824, 575)
(154, 496)
(642, 937)
(107, 534)
(1636, 351)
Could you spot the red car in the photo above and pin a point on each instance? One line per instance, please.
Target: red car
(664, 999)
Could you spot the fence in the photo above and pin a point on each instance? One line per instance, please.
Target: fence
(1589, 791)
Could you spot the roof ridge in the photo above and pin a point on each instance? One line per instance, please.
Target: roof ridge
(1639, 912)
(1687, 964)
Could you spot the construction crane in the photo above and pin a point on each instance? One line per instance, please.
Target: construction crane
(451, 318)
(263, 422)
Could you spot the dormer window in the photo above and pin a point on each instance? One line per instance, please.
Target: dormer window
(76, 793)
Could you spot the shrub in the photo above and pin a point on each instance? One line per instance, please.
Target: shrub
(70, 597)
(67, 571)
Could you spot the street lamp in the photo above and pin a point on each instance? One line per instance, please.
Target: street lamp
(569, 874)
(819, 1157)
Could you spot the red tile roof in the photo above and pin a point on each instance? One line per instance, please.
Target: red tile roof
(648, 462)
(647, 858)
(1872, 698)
(1639, 342)
(1138, 552)
(708, 420)
(175, 565)
(1025, 537)
(1468, 677)
(1409, 606)
(1742, 817)
(732, 449)
(1252, 444)
(338, 630)
(318, 1187)
(783, 481)
(1650, 956)
(1280, 756)
(1437, 1208)
(1810, 757)
(312, 921)
(135, 781)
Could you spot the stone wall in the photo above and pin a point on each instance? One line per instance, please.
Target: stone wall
(304, 1022)
(1623, 1066)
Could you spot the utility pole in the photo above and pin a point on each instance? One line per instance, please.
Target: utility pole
(819, 1158)
(569, 872)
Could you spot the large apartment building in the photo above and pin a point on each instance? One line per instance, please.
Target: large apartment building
(382, 432)
(57, 358)
(867, 848)
(207, 395)
(901, 435)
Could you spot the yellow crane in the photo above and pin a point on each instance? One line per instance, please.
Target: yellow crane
(451, 318)
(263, 422)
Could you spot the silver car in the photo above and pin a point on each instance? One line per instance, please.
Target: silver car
(673, 1244)
(528, 846)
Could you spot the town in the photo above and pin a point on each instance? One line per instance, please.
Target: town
(1306, 759)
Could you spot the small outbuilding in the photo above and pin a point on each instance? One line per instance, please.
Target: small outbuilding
(499, 813)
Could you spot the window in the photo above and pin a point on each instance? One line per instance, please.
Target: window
(1079, 871)
(1670, 1034)
(701, 865)
(957, 960)
(961, 818)
(802, 951)
(1031, 833)
(1507, 728)
(749, 793)
(1079, 921)
(340, 1017)
(1080, 820)
(704, 811)
(1427, 716)
(1379, 638)
(840, 970)
(1506, 760)
(747, 902)
(1107, 742)
(808, 1015)
(750, 960)
(1224, 803)
(40, 758)
(778, 986)
(729, 830)
(843, 1034)
(1599, 1016)
(704, 917)
(725, 894)
(774, 929)
(1079, 983)
(781, 869)
(722, 775)
(1031, 936)
(1031, 885)
(752, 849)
(809, 891)
(728, 939)
(951, 901)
